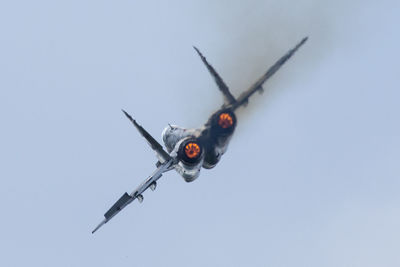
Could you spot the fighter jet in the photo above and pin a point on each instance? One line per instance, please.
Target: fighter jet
(188, 150)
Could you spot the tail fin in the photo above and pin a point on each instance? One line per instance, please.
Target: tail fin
(229, 99)
(150, 139)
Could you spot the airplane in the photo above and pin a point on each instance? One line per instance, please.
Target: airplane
(188, 150)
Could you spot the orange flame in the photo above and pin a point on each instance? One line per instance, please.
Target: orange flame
(225, 120)
(192, 150)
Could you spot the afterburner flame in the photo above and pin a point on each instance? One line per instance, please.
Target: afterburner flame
(225, 120)
(192, 150)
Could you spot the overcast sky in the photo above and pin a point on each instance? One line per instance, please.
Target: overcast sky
(311, 177)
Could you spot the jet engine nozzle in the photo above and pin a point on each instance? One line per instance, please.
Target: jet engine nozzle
(223, 123)
(190, 152)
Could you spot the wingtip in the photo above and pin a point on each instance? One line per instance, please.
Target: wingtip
(98, 226)
(299, 45)
(302, 41)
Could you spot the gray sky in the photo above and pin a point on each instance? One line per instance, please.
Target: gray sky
(311, 177)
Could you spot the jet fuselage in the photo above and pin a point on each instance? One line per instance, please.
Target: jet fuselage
(211, 141)
(188, 150)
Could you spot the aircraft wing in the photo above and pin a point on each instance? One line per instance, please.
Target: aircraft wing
(126, 199)
(257, 86)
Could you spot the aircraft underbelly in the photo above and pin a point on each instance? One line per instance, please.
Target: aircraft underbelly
(188, 174)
